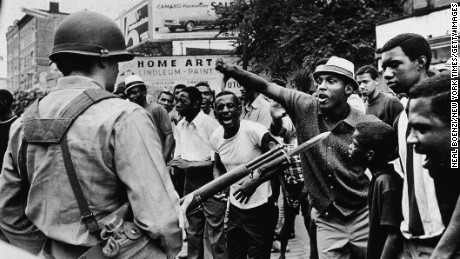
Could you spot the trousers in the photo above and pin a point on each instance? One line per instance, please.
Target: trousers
(340, 237)
(206, 231)
(251, 232)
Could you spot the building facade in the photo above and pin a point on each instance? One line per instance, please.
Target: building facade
(29, 43)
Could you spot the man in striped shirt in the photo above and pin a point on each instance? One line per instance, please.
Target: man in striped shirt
(429, 112)
(405, 61)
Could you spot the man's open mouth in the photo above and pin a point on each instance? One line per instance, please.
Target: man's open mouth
(322, 97)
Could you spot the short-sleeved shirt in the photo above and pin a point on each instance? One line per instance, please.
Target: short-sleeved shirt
(240, 149)
(384, 200)
(331, 178)
(386, 107)
(258, 111)
(161, 120)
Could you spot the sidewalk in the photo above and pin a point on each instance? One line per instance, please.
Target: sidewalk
(300, 245)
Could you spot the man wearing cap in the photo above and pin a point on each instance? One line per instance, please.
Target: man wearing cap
(109, 151)
(136, 90)
(336, 187)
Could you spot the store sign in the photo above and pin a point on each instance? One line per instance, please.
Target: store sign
(163, 73)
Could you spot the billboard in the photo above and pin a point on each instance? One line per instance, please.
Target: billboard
(135, 24)
(159, 20)
(163, 73)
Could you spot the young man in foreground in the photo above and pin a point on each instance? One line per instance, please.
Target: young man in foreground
(374, 146)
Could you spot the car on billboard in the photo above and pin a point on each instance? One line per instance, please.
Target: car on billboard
(203, 18)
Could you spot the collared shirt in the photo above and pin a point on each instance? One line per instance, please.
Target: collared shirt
(330, 176)
(193, 138)
(258, 111)
(116, 155)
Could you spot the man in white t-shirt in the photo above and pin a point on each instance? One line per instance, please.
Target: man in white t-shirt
(253, 213)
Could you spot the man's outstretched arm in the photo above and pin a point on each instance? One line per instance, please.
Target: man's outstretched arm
(249, 80)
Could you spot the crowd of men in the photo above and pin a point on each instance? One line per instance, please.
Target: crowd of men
(379, 186)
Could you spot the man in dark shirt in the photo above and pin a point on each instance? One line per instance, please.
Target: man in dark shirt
(136, 90)
(7, 118)
(337, 187)
(430, 121)
(374, 145)
(385, 106)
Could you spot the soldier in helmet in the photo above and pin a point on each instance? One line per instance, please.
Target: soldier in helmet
(78, 155)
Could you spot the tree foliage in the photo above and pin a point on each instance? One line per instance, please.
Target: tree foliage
(286, 36)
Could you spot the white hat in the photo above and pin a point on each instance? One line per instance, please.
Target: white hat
(132, 81)
(338, 66)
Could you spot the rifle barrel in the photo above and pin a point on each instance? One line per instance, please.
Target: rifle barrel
(268, 164)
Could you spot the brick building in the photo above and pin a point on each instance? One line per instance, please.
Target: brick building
(29, 43)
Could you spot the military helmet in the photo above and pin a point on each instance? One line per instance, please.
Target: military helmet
(90, 34)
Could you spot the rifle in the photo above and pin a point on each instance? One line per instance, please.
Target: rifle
(267, 165)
